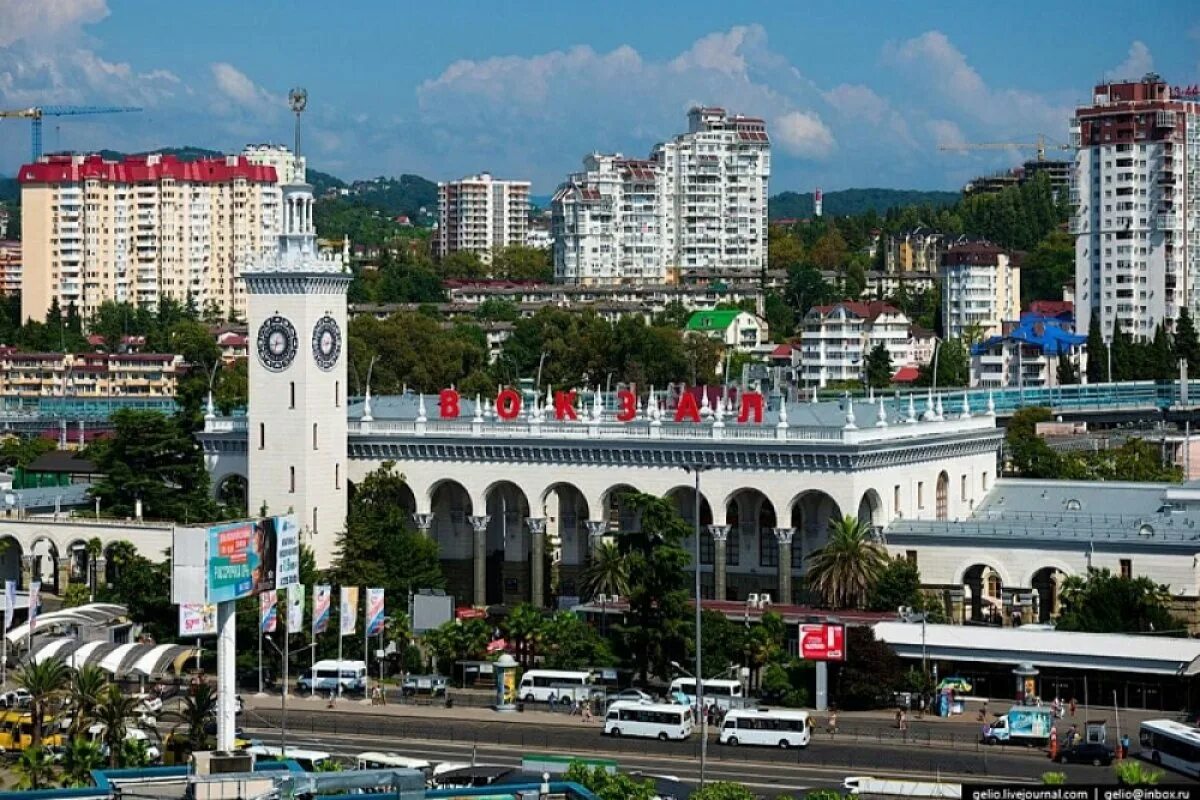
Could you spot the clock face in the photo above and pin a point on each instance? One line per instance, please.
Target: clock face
(326, 343)
(277, 343)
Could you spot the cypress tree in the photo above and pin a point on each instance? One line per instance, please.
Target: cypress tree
(1187, 344)
(1096, 351)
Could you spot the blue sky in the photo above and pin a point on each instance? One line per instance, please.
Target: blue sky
(854, 93)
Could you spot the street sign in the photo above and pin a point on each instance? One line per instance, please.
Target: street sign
(823, 642)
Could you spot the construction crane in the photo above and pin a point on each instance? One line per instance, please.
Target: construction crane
(1039, 146)
(36, 113)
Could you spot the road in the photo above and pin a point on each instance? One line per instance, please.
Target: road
(823, 763)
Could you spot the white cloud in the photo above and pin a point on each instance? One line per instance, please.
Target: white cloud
(1137, 63)
(802, 133)
(857, 101)
(945, 133)
(235, 85)
(41, 20)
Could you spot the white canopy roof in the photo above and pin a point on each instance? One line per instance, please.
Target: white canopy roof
(119, 660)
(92, 614)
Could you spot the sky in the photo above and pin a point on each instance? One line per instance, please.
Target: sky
(855, 93)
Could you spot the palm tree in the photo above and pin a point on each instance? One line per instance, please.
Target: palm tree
(79, 759)
(525, 626)
(35, 766)
(113, 713)
(84, 692)
(45, 683)
(607, 576)
(94, 550)
(199, 709)
(844, 571)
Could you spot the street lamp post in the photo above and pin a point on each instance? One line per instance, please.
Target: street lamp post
(695, 470)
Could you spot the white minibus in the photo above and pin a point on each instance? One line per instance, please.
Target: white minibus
(652, 720)
(724, 693)
(775, 728)
(309, 760)
(374, 760)
(1171, 744)
(326, 675)
(540, 685)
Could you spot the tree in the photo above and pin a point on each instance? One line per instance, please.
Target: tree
(113, 714)
(781, 319)
(379, 546)
(844, 571)
(1102, 602)
(657, 627)
(807, 288)
(1065, 371)
(568, 642)
(784, 250)
(144, 588)
(898, 584)
(1028, 452)
(194, 716)
(879, 367)
(610, 785)
(1187, 344)
(520, 263)
(1047, 268)
(953, 366)
(154, 459)
(85, 691)
(232, 389)
(830, 251)
(1097, 351)
(79, 758)
(75, 595)
(35, 767)
(498, 309)
(525, 626)
(46, 682)
(871, 674)
(608, 572)
(458, 640)
(463, 264)
(723, 790)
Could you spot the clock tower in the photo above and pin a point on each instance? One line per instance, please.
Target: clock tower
(296, 311)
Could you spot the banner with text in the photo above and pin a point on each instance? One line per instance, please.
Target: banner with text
(287, 549)
(348, 610)
(197, 619)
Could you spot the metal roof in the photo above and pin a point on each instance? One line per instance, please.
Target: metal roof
(146, 660)
(91, 615)
(1115, 652)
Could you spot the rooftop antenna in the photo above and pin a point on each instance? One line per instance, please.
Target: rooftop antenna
(298, 100)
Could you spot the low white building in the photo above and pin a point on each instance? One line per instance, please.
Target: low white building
(739, 330)
(836, 339)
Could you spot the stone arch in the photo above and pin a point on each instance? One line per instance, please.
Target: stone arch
(507, 544)
(985, 585)
(684, 500)
(811, 512)
(870, 508)
(754, 516)
(614, 511)
(941, 502)
(451, 506)
(565, 508)
(112, 559)
(1046, 584)
(78, 561)
(45, 554)
(11, 553)
(233, 490)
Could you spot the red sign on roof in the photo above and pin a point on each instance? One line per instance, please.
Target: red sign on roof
(823, 642)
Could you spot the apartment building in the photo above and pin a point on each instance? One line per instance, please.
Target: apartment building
(288, 168)
(981, 289)
(10, 268)
(26, 377)
(1028, 354)
(699, 202)
(1136, 206)
(918, 250)
(142, 230)
(835, 340)
(480, 214)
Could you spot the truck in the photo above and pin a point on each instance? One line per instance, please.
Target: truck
(1022, 724)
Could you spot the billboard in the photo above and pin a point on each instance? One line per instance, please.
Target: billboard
(247, 558)
(823, 642)
(197, 619)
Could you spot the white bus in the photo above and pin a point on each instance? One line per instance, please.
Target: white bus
(652, 720)
(775, 728)
(725, 693)
(540, 685)
(326, 675)
(309, 760)
(374, 760)
(1172, 745)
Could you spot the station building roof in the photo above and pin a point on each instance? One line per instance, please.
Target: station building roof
(1042, 647)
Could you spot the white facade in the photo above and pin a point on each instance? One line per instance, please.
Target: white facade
(480, 214)
(835, 340)
(741, 331)
(1006, 362)
(1137, 207)
(981, 289)
(288, 168)
(296, 415)
(698, 202)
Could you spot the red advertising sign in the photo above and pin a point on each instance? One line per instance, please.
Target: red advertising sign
(823, 642)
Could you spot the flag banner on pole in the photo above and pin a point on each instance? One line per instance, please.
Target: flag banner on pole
(295, 608)
(349, 610)
(10, 600)
(320, 618)
(374, 612)
(268, 617)
(35, 590)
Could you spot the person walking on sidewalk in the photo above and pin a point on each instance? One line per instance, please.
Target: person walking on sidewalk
(833, 720)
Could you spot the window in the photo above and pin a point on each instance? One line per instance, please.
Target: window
(337, 394)
(963, 488)
(262, 435)
(292, 479)
(337, 476)
(983, 478)
(314, 525)
(920, 495)
(1126, 568)
(314, 436)
(896, 500)
(292, 390)
(707, 548)
(942, 500)
(768, 548)
(733, 547)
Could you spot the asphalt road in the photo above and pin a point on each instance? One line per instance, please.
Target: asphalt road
(825, 762)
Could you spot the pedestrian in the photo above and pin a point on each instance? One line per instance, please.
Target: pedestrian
(983, 712)
(1072, 707)
(1125, 746)
(833, 720)
(903, 721)
(587, 713)
(332, 695)
(1072, 733)
(1053, 742)
(899, 719)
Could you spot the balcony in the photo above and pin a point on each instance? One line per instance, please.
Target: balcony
(1166, 221)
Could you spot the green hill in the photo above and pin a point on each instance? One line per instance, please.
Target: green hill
(406, 195)
(848, 202)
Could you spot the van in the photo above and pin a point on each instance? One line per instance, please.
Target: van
(309, 760)
(661, 721)
(373, 760)
(326, 676)
(783, 728)
(725, 694)
(542, 685)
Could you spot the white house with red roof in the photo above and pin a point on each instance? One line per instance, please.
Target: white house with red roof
(835, 340)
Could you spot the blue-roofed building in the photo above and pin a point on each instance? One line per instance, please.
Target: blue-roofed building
(1029, 353)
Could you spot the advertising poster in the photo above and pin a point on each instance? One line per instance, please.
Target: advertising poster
(287, 549)
(320, 617)
(374, 612)
(10, 600)
(197, 619)
(295, 608)
(268, 617)
(348, 610)
(235, 561)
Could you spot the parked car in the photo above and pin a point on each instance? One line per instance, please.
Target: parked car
(629, 696)
(1096, 754)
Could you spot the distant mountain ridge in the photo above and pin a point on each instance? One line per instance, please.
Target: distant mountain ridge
(848, 202)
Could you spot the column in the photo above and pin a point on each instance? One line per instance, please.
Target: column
(63, 574)
(423, 522)
(720, 537)
(1056, 582)
(596, 530)
(100, 571)
(480, 524)
(784, 537)
(537, 552)
(968, 603)
(955, 594)
(26, 572)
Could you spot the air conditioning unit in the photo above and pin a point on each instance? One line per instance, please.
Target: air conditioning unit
(601, 598)
(752, 599)
(764, 599)
(616, 598)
